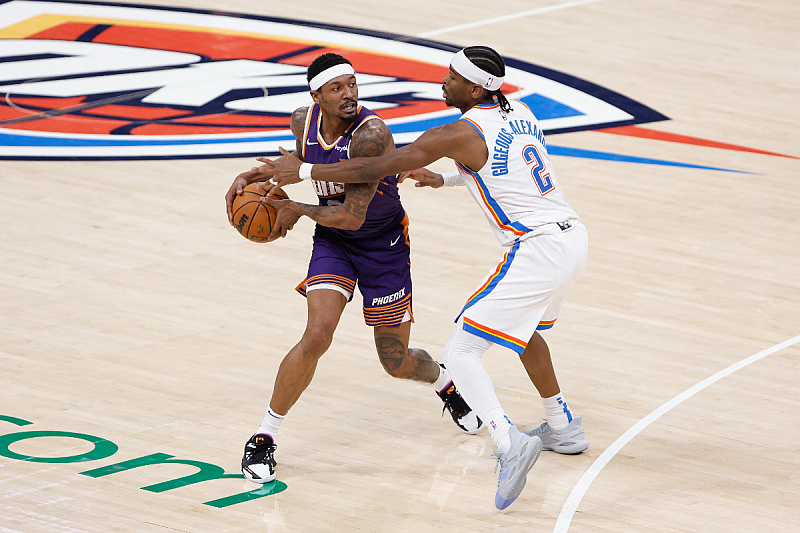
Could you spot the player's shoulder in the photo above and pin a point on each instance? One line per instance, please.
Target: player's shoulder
(371, 138)
(371, 122)
(298, 121)
(520, 106)
(300, 114)
(520, 109)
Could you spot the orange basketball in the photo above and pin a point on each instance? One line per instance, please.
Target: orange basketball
(252, 218)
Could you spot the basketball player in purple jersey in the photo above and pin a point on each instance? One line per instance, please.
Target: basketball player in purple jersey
(361, 237)
(501, 157)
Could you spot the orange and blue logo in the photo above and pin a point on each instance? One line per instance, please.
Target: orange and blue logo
(96, 80)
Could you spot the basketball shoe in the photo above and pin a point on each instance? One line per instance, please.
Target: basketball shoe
(569, 440)
(258, 464)
(514, 466)
(462, 415)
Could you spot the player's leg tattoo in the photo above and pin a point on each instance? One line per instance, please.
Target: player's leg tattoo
(402, 362)
(391, 352)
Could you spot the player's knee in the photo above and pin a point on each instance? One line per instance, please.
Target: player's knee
(399, 374)
(463, 346)
(418, 354)
(316, 341)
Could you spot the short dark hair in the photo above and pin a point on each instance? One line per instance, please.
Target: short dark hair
(489, 60)
(324, 62)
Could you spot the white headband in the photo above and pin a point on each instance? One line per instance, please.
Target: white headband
(461, 64)
(328, 74)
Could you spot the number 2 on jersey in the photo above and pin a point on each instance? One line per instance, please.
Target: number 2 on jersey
(531, 155)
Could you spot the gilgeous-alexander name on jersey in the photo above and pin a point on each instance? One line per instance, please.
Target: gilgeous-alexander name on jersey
(517, 188)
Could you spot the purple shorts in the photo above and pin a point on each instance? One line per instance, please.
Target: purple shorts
(379, 263)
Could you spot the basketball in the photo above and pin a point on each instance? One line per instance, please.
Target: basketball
(252, 218)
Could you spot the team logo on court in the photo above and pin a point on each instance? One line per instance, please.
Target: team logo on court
(114, 81)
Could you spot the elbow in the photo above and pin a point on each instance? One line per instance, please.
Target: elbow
(351, 223)
(344, 221)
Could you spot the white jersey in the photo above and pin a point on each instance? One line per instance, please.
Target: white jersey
(517, 187)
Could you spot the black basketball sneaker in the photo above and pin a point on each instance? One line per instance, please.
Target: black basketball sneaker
(459, 410)
(258, 464)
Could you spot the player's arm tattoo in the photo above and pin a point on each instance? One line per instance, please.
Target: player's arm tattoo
(357, 199)
(298, 125)
(349, 215)
(371, 140)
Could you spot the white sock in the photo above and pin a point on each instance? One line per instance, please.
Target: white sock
(443, 380)
(462, 355)
(557, 412)
(499, 424)
(271, 423)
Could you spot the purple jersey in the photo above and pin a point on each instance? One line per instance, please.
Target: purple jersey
(385, 205)
(376, 257)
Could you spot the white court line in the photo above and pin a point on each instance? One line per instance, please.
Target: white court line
(506, 17)
(575, 497)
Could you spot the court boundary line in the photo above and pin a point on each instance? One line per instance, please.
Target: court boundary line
(575, 497)
(506, 17)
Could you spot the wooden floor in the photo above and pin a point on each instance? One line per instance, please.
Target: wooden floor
(134, 321)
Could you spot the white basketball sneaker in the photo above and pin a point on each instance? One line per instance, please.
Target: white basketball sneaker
(570, 440)
(514, 466)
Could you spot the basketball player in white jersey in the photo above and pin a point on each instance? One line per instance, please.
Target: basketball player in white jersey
(501, 157)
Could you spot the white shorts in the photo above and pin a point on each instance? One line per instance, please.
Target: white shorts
(525, 291)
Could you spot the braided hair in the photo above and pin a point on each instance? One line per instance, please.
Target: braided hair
(487, 59)
(324, 62)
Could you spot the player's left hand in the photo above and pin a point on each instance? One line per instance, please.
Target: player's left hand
(283, 170)
(423, 177)
(239, 183)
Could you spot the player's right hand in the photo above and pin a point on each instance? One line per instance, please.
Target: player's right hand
(287, 214)
(423, 177)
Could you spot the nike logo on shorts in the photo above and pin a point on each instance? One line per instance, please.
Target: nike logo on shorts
(395, 241)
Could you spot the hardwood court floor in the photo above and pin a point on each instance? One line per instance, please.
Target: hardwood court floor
(131, 312)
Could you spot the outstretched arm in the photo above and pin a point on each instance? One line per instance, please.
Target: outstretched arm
(458, 141)
(370, 140)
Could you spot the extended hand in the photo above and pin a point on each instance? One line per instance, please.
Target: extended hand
(282, 171)
(423, 177)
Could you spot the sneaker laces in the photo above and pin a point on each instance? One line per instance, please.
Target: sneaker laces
(260, 453)
(447, 401)
(454, 402)
(541, 428)
(498, 455)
